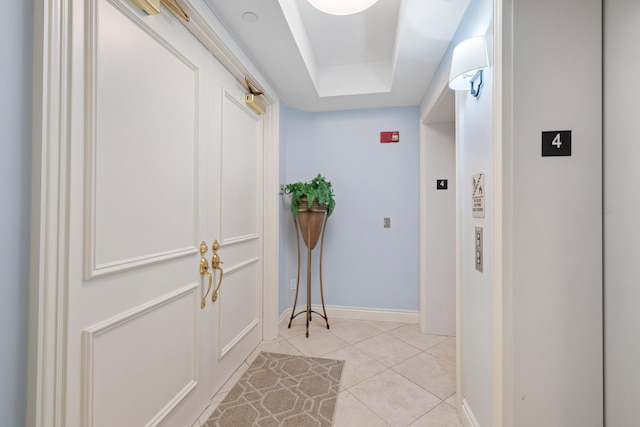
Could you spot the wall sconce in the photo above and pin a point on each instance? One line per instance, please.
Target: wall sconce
(468, 60)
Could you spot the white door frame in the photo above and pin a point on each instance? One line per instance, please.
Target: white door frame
(442, 93)
(50, 200)
(443, 87)
(502, 321)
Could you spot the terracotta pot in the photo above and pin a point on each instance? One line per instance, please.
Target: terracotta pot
(311, 220)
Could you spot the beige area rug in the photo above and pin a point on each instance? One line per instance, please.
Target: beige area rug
(281, 390)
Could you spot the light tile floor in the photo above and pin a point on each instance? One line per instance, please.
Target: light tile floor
(394, 376)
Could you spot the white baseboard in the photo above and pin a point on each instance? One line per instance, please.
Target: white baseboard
(468, 419)
(358, 313)
(284, 316)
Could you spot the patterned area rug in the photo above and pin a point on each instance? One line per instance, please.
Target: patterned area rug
(280, 390)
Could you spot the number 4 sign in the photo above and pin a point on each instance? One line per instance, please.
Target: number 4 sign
(556, 143)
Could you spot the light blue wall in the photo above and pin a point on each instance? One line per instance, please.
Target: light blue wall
(365, 265)
(15, 181)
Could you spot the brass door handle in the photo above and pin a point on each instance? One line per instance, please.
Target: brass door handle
(214, 294)
(215, 265)
(204, 270)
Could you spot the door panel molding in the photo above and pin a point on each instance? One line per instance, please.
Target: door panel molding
(94, 349)
(241, 206)
(240, 239)
(230, 270)
(95, 271)
(246, 312)
(101, 226)
(230, 346)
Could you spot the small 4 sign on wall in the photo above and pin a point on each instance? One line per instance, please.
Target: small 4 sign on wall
(556, 143)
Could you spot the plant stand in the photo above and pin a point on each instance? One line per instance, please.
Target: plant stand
(311, 222)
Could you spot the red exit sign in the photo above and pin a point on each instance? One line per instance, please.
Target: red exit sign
(392, 136)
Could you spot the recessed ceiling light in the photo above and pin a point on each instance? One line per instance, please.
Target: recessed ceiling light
(249, 17)
(342, 7)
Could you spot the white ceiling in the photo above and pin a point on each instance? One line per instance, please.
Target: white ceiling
(382, 57)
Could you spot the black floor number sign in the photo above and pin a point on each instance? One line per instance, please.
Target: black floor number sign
(556, 143)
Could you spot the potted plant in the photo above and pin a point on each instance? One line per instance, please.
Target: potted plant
(318, 191)
(312, 199)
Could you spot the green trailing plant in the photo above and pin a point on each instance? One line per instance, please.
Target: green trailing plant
(318, 188)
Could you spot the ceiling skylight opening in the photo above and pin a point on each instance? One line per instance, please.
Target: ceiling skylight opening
(342, 7)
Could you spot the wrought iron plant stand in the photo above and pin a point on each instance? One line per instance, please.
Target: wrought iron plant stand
(312, 223)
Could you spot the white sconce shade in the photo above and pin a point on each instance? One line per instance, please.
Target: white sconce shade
(342, 7)
(468, 60)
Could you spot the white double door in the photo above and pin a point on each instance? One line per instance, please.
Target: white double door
(163, 154)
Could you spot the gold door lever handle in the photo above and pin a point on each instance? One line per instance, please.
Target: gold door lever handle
(215, 265)
(214, 294)
(204, 270)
